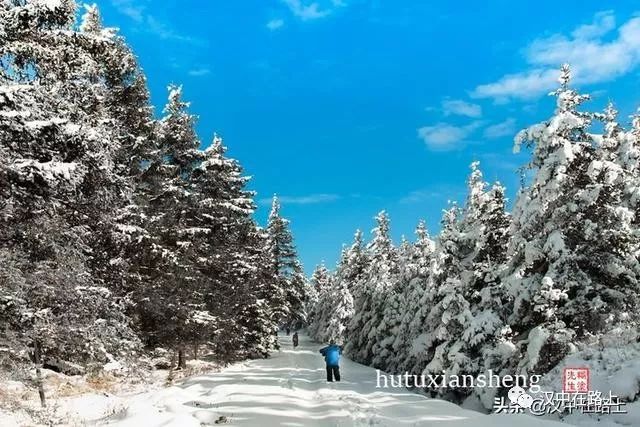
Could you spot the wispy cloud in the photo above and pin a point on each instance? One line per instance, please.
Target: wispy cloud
(603, 22)
(418, 196)
(311, 199)
(310, 10)
(595, 54)
(501, 161)
(445, 136)
(459, 107)
(134, 10)
(505, 128)
(165, 32)
(200, 72)
(137, 11)
(275, 24)
(444, 191)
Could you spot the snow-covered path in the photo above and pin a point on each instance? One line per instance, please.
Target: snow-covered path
(290, 389)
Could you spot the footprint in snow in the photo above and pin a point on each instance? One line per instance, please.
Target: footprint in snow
(199, 404)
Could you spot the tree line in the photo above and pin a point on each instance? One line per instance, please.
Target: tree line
(117, 231)
(509, 292)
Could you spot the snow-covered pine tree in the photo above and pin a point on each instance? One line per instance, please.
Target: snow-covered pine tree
(310, 304)
(487, 339)
(254, 276)
(353, 264)
(297, 297)
(333, 308)
(76, 134)
(570, 269)
(484, 224)
(394, 309)
(347, 280)
(460, 241)
(378, 279)
(215, 224)
(321, 282)
(332, 305)
(613, 238)
(450, 314)
(124, 107)
(628, 157)
(415, 273)
(288, 295)
(472, 311)
(59, 187)
(91, 21)
(341, 312)
(167, 293)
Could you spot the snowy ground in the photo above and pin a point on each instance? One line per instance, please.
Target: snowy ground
(290, 389)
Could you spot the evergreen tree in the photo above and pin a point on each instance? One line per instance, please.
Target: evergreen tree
(378, 279)
(570, 268)
(297, 297)
(91, 20)
(217, 226)
(341, 312)
(471, 310)
(415, 273)
(60, 183)
(288, 294)
(111, 221)
(167, 282)
(451, 312)
(347, 280)
(321, 282)
(353, 264)
(255, 278)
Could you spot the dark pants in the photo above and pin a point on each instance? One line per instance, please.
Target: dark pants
(333, 372)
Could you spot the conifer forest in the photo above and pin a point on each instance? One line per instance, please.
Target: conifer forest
(131, 255)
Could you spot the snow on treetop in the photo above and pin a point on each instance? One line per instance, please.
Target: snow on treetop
(50, 4)
(91, 21)
(50, 171)
(202, 317)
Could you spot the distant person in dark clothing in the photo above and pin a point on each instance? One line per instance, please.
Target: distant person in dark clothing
(288, 331)
(331, 355)
(295, 339)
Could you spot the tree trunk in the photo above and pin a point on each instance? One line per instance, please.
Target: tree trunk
(182, 362)
(37, 361)
(195, 351)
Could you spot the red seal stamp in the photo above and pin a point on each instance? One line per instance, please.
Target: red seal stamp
(575, 380)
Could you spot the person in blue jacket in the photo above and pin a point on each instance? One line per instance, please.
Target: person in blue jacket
(331, 355)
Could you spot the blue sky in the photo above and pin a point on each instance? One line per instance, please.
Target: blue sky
(348, 107)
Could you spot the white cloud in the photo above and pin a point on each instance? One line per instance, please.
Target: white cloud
(311, 199)
(418, 196)
(134, 10)
(594, 56)
(461, 108)
(165, 32)
(444, 136)
(199, 72)
(506, 128)
(437, 193)
(308, 11)
(526, 85)
(603, 22)
(275, 24)
(137, 11)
